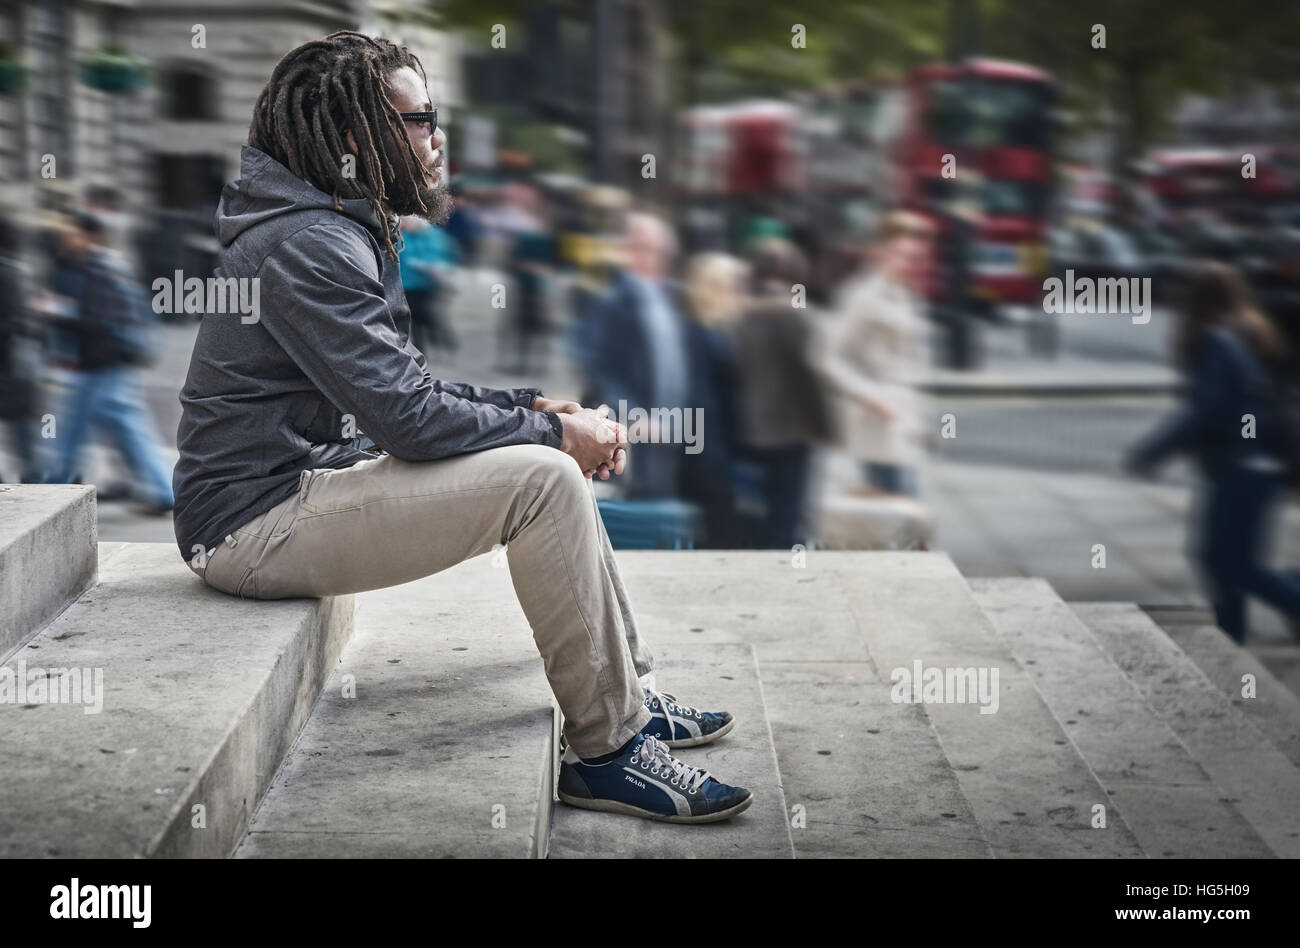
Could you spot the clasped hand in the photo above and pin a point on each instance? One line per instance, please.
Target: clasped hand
(591, 437)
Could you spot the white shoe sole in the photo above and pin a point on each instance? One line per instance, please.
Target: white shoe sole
(614, 806)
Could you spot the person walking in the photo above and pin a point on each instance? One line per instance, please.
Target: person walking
(1233, 422)
(114, 336)
(781, 405)
(871, 354)
(714, 293)
(637, 355)
(20, 378)
(427, 259)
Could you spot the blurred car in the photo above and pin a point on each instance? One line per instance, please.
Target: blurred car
(1165, 256)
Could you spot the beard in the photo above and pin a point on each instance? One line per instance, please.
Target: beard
(433, 203)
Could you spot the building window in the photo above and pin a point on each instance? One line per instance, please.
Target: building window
(189, 182)
(189, 95)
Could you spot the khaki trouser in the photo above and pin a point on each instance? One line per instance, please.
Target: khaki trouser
(384, 521)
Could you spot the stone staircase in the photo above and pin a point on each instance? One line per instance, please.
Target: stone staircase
(417, 720)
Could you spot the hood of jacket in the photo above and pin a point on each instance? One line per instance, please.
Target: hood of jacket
(267, 189)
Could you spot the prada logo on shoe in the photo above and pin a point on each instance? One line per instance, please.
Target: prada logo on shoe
(662, 782)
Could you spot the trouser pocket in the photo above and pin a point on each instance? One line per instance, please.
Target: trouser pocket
(227, 568)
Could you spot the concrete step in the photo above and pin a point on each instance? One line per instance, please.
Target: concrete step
(868, 774)
(1167, 799)
(447, 747)
(786, 611)
(1274, 709)
(1029, 790)
(202, 696)
(47, 555)
(1283, 662)
(713, 677)
(1239, 757)
(109, 549)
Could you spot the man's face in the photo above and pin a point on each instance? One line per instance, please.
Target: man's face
(644, 249)
(407, 93)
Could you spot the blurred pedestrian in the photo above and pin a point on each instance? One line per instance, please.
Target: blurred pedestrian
(63, 285)
(112, 325)
(714, 295)
(515, 241)
(637, 354)
(1234, 423)
(20, 376)
(465, 225)
(427, 261)
(532, 256)
(872, 352)
(781, 406)
(107, 204)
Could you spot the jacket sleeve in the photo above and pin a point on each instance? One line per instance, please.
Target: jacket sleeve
(322, 300)
(501, 397)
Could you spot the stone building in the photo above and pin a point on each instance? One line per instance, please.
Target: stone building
(167, 147)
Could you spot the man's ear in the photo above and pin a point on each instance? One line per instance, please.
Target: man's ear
(350, 141)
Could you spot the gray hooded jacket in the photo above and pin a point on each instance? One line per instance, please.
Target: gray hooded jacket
(265, 400)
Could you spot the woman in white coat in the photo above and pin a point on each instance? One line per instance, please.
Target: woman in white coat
(872, 353)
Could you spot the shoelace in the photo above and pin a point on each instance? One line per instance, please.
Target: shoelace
(667, 701)
(655, 752)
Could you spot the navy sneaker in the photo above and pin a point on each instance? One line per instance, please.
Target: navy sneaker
(690, 727)
(680, 726)
(649, 782)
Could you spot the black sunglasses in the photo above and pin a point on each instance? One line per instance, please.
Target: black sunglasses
(430, 117)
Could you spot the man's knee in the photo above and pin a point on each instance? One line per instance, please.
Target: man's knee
(536, 466)
(556, 472)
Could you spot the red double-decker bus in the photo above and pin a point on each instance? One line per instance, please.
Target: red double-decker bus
(980, 134)
(886, 144)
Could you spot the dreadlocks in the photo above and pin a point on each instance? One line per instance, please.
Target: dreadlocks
(321, 90)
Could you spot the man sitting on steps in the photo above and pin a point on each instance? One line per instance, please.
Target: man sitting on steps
(278, 494)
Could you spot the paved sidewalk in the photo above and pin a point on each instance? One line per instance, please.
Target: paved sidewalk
(1064, 376)
(1098, 355)
(997, 521)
